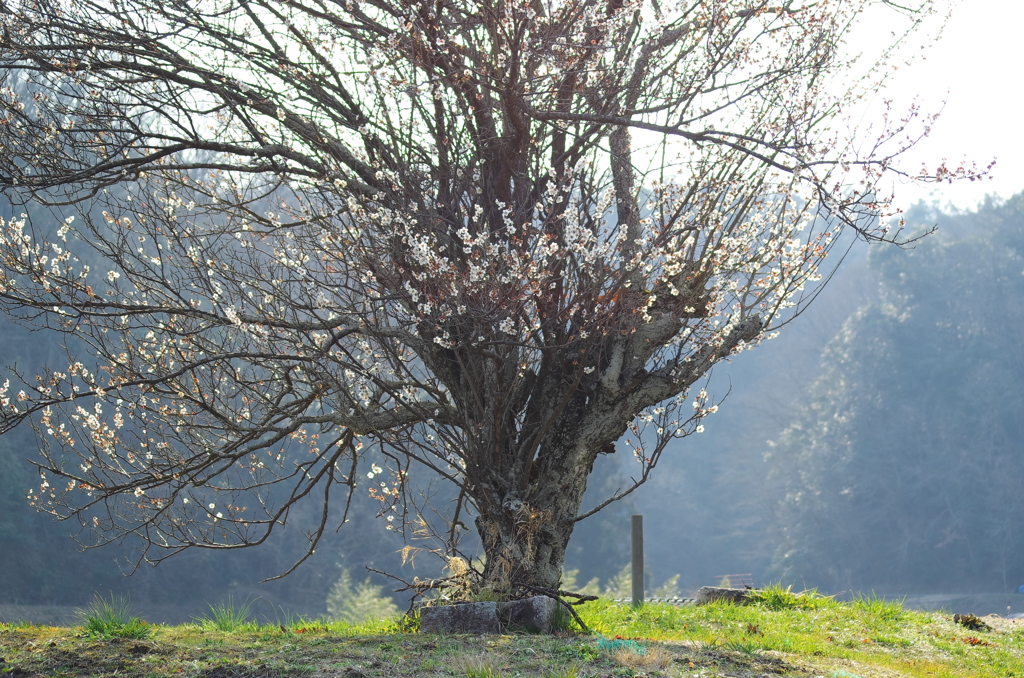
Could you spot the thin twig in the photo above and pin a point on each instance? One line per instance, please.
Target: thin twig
(420, 587)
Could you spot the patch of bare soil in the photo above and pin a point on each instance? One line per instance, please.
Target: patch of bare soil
(761, 664)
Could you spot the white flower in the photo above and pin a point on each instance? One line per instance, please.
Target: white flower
(113, 275)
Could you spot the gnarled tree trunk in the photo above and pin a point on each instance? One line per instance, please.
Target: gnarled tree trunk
(525, 539)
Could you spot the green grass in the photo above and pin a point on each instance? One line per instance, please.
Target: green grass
(774, 597)
(227, 617)
(781, 633)
(112, 618)
(880, 608)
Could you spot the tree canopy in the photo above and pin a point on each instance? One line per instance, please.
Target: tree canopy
(477, 238)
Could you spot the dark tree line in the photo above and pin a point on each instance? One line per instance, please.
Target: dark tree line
(904, 469)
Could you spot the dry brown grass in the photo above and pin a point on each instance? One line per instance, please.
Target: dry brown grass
(475, 666)
(653, 658)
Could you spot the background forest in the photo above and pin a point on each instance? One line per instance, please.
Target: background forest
(873, 446)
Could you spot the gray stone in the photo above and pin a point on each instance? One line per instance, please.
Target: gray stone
(532, 615)
(461, 618)
(710, 594)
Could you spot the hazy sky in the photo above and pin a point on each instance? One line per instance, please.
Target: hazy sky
(976, 67)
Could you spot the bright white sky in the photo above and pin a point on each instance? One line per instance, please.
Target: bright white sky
(978, 62)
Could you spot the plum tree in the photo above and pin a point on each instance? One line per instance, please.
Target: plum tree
(486, 239)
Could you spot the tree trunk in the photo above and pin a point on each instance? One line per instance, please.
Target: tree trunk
(525, 540)
(524, 546)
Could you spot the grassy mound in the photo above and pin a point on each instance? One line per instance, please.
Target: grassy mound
(779, 633)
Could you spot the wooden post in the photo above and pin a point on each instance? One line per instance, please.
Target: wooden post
(638, 560)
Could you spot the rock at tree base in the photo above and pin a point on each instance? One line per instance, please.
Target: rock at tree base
(532, 615)
(461, 618)
(711, 594)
